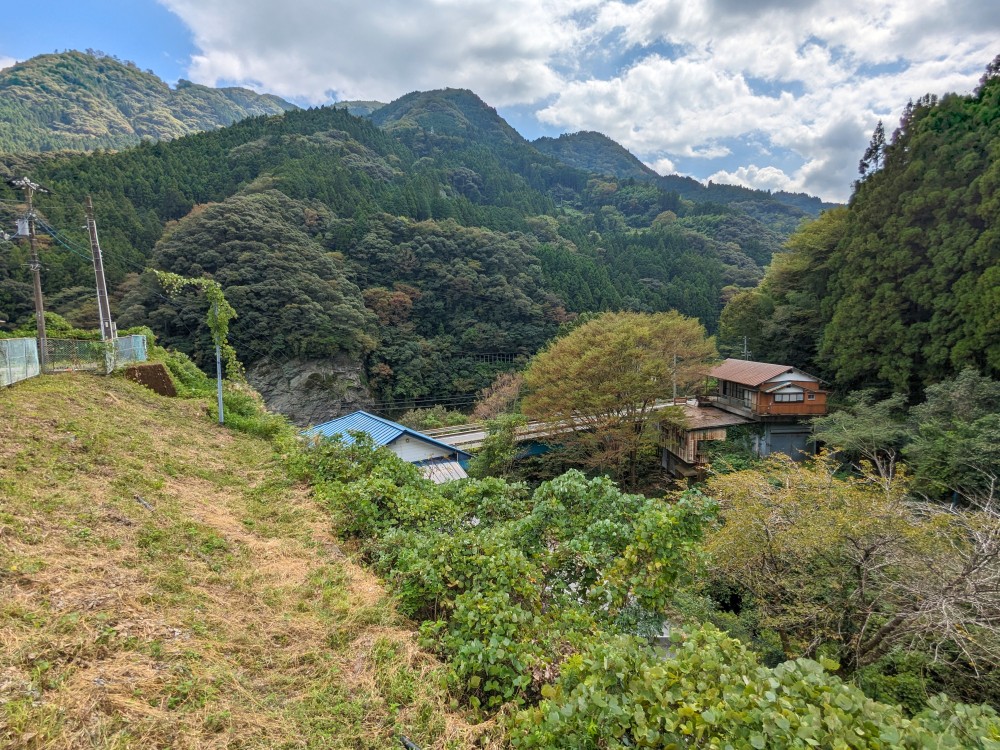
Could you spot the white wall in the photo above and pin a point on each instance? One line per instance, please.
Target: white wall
(413, 449)
(785, 377)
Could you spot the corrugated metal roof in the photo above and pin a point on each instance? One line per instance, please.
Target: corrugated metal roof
(745, 372)
(382, 431)
(710, 417)
(441, 470)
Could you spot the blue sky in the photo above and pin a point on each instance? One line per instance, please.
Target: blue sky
(776, 94)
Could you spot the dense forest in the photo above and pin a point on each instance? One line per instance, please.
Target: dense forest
(426, 241)
(899, 290)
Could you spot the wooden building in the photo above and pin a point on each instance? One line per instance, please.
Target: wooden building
(764, 391)
(682, 455)
(779, 399)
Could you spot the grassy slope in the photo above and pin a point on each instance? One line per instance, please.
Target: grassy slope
(223, 617)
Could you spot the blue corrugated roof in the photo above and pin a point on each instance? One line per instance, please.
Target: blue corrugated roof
(382, 431)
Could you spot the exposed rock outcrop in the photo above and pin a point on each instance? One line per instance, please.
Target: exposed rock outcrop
(311, 391)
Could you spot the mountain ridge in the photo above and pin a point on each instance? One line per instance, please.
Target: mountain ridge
(86, 100)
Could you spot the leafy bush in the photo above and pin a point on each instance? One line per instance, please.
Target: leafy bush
(536, 602)
(709, 691)
(435, 416)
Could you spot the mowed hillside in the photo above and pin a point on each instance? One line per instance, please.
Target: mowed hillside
(164, 584)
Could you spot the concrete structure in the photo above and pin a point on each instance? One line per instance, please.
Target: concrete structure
(438, 461)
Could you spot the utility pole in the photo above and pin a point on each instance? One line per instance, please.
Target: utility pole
(30, 188)
(746, 352)
(103, 306)
(674, 378)
(218, 367)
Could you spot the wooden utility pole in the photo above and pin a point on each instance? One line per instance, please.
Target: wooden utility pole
(103, 306)
(30, 188)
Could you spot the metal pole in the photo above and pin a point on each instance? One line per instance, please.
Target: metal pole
(34, 264)
(218, 366)
(103, 305)
(674, 378)
(36, 273)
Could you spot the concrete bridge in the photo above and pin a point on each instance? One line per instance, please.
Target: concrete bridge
(470, 437)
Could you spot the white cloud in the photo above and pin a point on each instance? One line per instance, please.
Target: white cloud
(689, 82)
(762, 178)
(663, 166)
(6, 62)
(507, 52)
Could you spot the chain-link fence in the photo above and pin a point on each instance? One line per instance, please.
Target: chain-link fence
(18, 360)
(66, 355)
(19, 357)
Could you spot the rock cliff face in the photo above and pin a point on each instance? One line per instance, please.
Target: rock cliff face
(311, 391)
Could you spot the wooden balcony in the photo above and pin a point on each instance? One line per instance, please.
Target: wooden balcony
(792, 409)
(763, 407)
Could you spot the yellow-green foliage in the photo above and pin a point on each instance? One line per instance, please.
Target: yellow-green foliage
(854, 565)
(608, 374)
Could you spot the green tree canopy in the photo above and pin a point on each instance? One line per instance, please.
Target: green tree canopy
(607, 377)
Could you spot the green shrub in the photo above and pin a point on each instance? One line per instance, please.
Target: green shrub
(428, 571)
(535, 601)
(435, 416)
(710, 691)
(490, 645)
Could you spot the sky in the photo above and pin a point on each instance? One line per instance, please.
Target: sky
(772, 94)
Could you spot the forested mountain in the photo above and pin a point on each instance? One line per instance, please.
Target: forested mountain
(595, 152)
(359, 108)
(83, 101)
(428, 243)
(900, 289)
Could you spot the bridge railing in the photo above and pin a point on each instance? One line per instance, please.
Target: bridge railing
(461, 429)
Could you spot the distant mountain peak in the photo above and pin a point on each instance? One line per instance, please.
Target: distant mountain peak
(445, 112)
(595, 152)
(87, 100)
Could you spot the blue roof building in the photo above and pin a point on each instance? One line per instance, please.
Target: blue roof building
(439, 461)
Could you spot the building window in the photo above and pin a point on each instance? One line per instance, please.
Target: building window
(811, 397)
(787, 398)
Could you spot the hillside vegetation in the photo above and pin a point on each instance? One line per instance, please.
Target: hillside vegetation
(411, 243)
(900, 289)
(164, 583)
(83, 101)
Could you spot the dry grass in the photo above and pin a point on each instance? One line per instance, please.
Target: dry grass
(162, 584)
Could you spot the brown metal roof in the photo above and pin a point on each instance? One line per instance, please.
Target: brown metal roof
(710, 417)
(745, 372)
